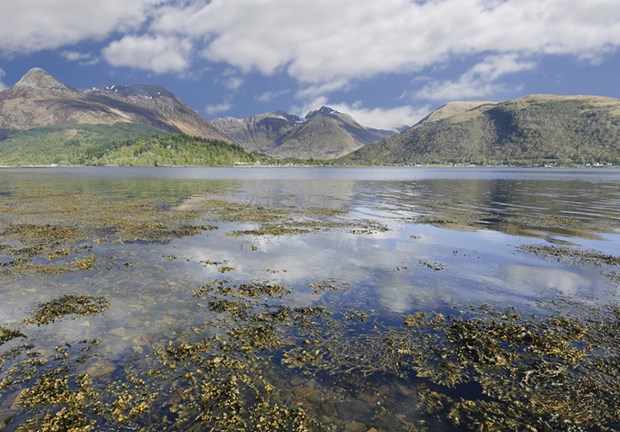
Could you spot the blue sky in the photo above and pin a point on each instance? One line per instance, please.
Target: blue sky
(387, 63)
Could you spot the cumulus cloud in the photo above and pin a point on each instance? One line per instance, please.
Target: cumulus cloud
(314, 91)
(326, 46)
(34, 25)
(323, 40)
(268, 96)
(83, 59)
(222, 107)
(160, 54)
(383, 118)
(479, 81)
(233, 83)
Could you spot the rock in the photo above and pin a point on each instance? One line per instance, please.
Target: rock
(101, 368)
(5, 418)
(169, 320)
(142, 340)
(405, 391)
(297, 381)
(370, 398)
(354, 410)
(303, 392)
(119, 331)
(10, 403)
(355, 426)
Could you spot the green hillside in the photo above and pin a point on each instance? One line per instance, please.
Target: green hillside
(533, 130)
(119, 144)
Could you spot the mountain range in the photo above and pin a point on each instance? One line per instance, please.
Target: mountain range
(321, 134)
(61, 124)
(39, 100)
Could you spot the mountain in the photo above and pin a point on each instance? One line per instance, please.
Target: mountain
(453, 108)
(532, 130)
(321, 134)
(39, 100)
(258, 133)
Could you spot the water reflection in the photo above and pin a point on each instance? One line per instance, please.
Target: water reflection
(453, 240)
(531, 281)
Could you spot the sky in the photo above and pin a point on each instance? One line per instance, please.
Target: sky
(387, 63)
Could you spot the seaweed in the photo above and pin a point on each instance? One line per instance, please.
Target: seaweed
(50, 311)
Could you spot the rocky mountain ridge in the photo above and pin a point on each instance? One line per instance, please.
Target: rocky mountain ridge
(322, 134)
(38, 99)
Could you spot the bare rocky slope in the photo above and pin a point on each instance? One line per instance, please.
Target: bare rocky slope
(39, 99)
(532, 130)
(321, 134)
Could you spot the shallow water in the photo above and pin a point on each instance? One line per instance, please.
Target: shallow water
(392, 242)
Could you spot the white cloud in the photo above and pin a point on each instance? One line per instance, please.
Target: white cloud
(74, 56)
(379, 118)
(324, 45)
(83, 59)
(309, 105)
(230, 79)
(158, 54)
(34, 25)
(383, 118)
(233, 83)
(271, 95)
(323, 40)
(479, 81)
(212, 110)
(313, 91)
(2, 85)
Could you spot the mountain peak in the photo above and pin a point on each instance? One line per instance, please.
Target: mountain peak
(40, 79)
(149, 91)
(324, 110)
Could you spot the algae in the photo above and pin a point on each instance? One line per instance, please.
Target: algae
(252, 358)
(482, 368)
(50, 311)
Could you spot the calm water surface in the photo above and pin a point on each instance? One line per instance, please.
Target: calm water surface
(442, 240)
